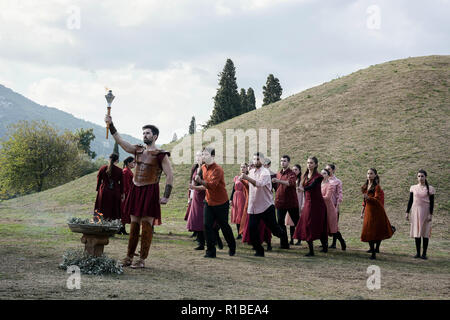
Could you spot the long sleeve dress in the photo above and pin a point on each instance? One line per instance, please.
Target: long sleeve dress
(376, 225)
(109, 191)
(195, 217)
(329, 194)
(313, 222)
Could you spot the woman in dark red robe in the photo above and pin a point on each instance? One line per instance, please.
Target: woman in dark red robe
(376, 225)
(313, 222)
(109, 189)
(127, 178)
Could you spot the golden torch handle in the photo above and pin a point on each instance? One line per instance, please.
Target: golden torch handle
(107, 125)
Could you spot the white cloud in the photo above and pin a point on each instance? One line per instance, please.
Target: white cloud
(166, 98)
(161, 58)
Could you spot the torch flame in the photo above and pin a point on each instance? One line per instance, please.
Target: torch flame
(98, 217)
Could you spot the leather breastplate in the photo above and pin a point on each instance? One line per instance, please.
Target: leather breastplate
(148, 168)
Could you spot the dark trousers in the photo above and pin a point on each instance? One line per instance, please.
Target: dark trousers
(294, 213)
(217, 214)
(269, 219)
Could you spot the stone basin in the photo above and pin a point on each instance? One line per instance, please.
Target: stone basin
(95, 237)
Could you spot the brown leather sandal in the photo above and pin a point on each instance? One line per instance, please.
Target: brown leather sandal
(140, 263)
(126, 262)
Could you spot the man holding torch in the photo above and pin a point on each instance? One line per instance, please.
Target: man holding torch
(142, 202)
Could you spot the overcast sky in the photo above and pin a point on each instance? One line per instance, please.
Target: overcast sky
(162, 58)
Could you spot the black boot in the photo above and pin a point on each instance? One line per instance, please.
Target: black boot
(333, 244)
(269, 246)
(200, 240)
(425, 247)
(239, 236)
(193, 234)
(341, 241)
(311, 249)
(123, 231)
(377, 246)
(324, 245)
(417, 240)
(372, 250)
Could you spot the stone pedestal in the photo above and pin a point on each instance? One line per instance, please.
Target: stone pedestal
(94, 244)
(95, 237)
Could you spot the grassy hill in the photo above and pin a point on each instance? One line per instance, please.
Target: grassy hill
(394, 117)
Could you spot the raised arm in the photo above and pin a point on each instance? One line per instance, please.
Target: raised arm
(128, 147)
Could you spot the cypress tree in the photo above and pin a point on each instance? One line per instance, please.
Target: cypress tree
(272, 90)
(226, 102)
(244, 101)
(251, 101)
(192, 126)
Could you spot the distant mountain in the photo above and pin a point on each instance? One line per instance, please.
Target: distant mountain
(15, 107)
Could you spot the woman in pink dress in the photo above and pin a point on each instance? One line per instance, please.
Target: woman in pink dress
(329, 193)
(420, 211)
(238, 199)
(301, 199)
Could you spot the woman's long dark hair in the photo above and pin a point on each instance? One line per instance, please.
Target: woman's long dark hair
(299, 176)
(426, 181)
(376, 181)
(193, 169)
(127, 161)
(305, 175)
(112, 158)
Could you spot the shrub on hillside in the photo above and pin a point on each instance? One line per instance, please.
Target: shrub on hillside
(35, 157)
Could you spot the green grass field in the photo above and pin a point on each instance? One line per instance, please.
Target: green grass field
(393, 116)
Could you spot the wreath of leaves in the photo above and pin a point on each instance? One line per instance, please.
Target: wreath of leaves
(89, 264)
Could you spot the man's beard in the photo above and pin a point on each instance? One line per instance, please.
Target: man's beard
(148, 141)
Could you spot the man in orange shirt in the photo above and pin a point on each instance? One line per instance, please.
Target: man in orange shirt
(216, 203)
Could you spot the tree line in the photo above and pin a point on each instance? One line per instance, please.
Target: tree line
(229, 103)
(34, 157)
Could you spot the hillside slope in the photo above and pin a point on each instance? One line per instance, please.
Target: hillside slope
(394, 117)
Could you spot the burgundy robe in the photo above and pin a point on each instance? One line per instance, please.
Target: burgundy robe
(313, 222)
(109, 191)
(127, 179)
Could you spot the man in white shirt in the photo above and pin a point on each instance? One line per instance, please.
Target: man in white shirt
(261, 205)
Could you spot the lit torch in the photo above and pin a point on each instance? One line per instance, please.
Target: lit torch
(109, 99)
